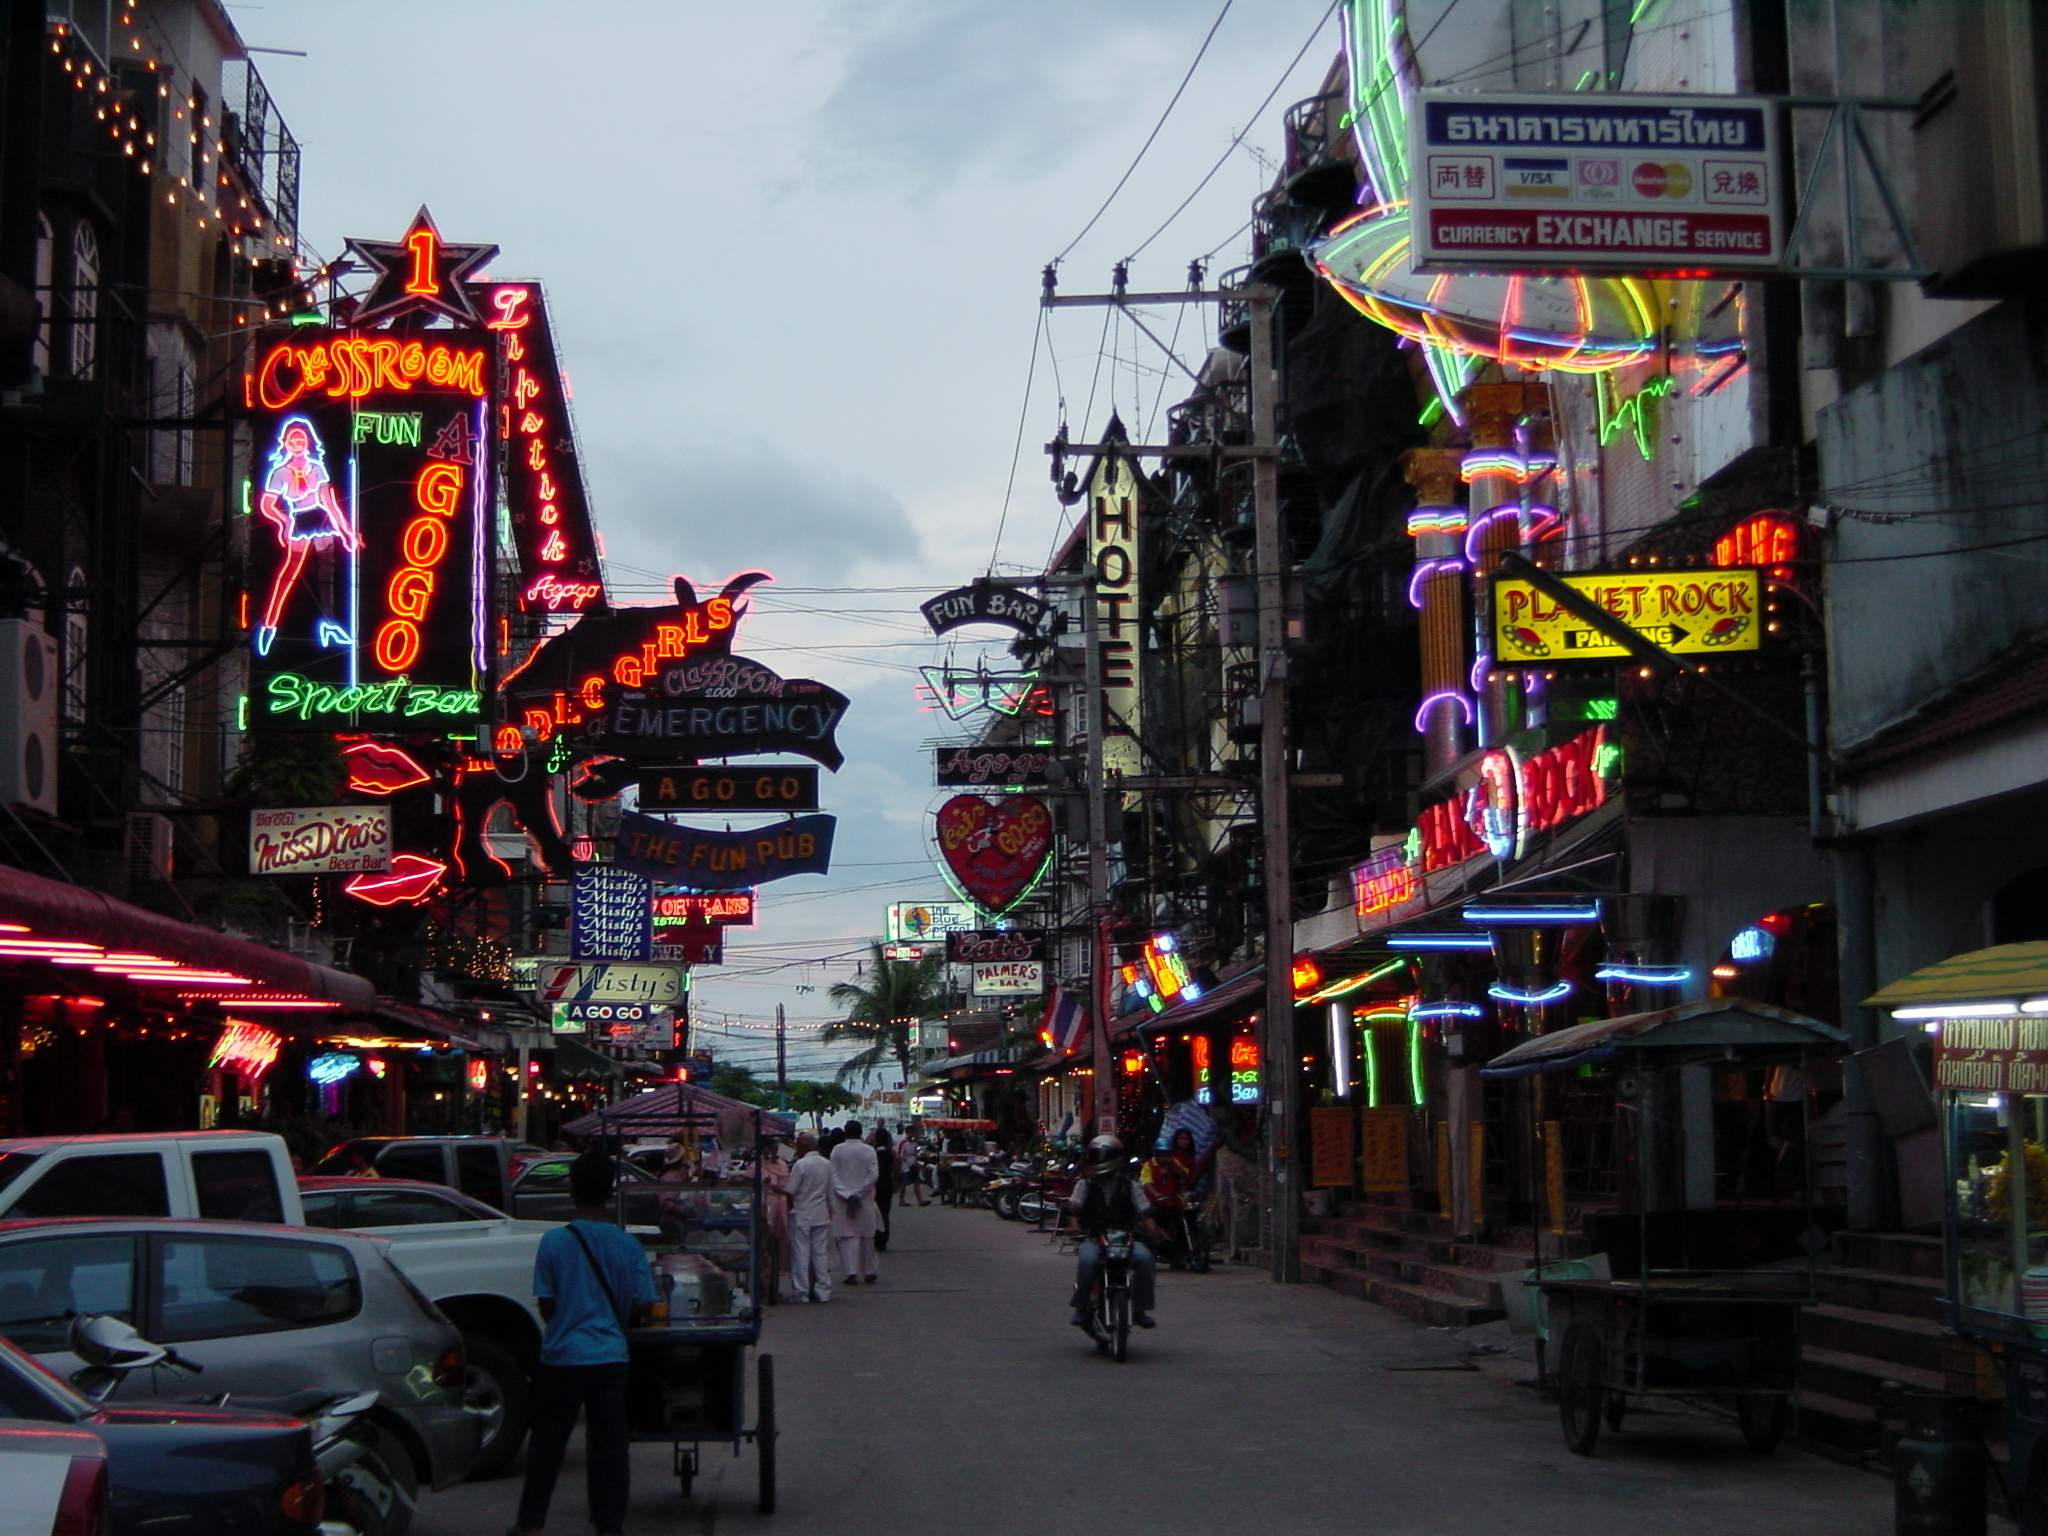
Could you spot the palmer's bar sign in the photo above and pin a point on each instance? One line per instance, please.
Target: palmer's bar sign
(724, 861)
(1993, 1055)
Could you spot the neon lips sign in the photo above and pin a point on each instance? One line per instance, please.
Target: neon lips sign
(558, 553)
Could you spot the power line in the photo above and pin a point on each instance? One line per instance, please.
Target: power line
(1154, 134)
(1250, 122)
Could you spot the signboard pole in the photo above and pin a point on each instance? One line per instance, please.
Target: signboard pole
(1095, 720)
(781, 1062)
(1277, 1058)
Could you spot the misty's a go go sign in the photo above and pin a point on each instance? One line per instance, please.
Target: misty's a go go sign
(1593, 181)
(1692, 613)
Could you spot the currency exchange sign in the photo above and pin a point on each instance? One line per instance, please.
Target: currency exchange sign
(1692, 613)
(1594, 182)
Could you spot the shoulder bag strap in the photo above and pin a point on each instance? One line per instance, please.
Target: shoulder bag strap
(597, 1269)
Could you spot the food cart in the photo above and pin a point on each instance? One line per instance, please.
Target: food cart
(1696, 1310)
(686, 1384)
(1987, 1015)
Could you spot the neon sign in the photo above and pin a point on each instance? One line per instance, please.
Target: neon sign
(1307, 975)
(1769, 538)
(412, 879)
(1199, 1048)
(332, 1068)
(1509, 800)
(1244, 1070)
(247, 1048)
(1387, 880)
(421, 272)
(369, 589)
(728, 909)
(558, 555)
(378, 768)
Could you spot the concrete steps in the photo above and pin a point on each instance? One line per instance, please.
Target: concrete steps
(1409, 1262)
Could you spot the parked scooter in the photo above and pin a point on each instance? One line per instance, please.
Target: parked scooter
(368, 1493)
(1044, 1197)
(1109, 1308)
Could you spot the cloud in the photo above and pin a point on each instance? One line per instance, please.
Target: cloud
(704, 510)
(934, 88)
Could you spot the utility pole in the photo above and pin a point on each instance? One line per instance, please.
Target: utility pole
(781, 1062)
(1278, 1070)
(1279, 1074)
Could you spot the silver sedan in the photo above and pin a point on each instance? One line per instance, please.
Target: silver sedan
(265, 1311)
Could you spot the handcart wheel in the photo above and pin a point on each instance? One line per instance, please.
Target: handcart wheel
(764, 1432)
(2033, 1498)
(1615, 1407)
(686, 1468)
(1763, 1417)
(1580, 1390)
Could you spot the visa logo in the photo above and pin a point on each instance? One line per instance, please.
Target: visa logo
(1526, 177)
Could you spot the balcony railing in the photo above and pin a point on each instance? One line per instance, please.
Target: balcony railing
(255, 138)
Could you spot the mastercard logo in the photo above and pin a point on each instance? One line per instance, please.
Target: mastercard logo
(1654, 180)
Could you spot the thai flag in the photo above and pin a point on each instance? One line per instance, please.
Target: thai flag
(1065, 1020)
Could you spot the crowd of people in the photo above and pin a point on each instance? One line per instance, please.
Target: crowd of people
(828, 1206)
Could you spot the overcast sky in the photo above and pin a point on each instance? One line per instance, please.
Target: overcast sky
(792, 252)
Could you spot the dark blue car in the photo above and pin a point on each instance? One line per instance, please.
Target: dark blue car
(179, 1471)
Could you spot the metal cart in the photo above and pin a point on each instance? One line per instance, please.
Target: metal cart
(1698, 1316)
(1987, 1012)
(686, 1384)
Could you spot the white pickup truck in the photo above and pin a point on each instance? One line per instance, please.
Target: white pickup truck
(478, 1272)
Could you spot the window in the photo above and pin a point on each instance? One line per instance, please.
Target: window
(237, 1186)
(412, 1160)
(85, 299)
(215, 1287)
(544, 1176)
(120, 1184)
(480, 1174)
(323, 1208)
(14, 1164)
(46, 1282)
(405, 1208)
(46, 264)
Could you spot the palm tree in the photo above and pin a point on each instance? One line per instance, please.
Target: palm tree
(886, 1009)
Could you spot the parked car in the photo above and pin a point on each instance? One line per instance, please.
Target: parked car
(382, 1205)
(541, 1193)
(195, 1472)
(265, 1311)
(56, 1479)
(479, 1274)
(480, 1166)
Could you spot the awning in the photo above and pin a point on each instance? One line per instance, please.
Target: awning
(2005, 973)
(1237, 995)
(660, 1111)
(1008, 1056)
(578, 1059)
(52, 910)
(1707, 1026)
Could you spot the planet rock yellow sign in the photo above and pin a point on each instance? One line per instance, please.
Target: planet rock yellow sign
(1690, 613)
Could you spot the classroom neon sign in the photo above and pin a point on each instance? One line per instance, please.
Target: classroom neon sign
(346, 366)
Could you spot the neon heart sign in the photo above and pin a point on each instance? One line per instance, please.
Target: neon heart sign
(995, 850)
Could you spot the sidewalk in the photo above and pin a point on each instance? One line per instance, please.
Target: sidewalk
(953, 1396)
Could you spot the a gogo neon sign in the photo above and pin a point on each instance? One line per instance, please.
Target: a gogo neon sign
(437, 491)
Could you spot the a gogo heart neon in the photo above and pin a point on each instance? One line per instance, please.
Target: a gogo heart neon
(995, 848)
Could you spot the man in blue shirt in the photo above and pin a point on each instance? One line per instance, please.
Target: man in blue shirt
(593, 1282)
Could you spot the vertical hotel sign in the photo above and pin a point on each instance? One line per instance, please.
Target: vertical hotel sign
(1113, 556)
(368, 507)
(551, 528)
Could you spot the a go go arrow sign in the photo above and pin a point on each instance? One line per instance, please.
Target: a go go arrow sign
(558, 982)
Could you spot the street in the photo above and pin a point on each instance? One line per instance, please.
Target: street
(953, 1396)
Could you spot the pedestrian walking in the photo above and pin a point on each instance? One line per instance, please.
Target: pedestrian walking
(809, 1188)
(854, 1171)
(909, 1173)
(775, 1193)
(592, 1282)
(885, 1184)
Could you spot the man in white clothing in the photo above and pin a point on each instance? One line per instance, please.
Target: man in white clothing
(810, 1223)
(855, 1170)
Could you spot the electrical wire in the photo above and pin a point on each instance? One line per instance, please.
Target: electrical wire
(1223, 158)
(1131, 169)
(1017, 447)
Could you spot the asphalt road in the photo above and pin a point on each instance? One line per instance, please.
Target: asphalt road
(953, 1396)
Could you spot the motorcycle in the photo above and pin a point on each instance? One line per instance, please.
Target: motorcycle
(1043, 1198)
(1110, 1307)
(1183, 1235)
(1002, 1191)
(368, 1493)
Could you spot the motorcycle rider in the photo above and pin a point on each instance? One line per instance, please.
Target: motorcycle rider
(1108, 1199)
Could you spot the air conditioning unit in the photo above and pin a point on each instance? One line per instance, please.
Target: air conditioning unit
(28, 715)
(149, 846)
